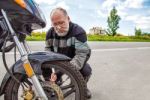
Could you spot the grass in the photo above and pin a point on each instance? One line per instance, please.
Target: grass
(119, 38)
(36, 36)
(41, 37)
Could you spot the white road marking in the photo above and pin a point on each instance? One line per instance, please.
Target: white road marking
(121, 49)
(97, 50)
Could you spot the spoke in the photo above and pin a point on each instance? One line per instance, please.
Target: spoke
(65, 80)
(69, 92)
(67, 86)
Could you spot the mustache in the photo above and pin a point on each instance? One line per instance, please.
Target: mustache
(62, 28)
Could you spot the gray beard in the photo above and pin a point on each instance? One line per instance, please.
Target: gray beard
(61, 34)
(64, 33)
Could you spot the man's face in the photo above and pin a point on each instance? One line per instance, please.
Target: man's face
(60, 22)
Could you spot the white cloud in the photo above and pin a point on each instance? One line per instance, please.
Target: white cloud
(142, 22)
(119, 4)
(132, 18)
(50, 2)
(122, 14)
(122, 7)
(106, 7)
(109, 4)
(80, 6)
(101, 14)
(134, 3)
(63, 5)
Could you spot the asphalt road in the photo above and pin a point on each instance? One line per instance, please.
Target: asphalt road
(121, 70)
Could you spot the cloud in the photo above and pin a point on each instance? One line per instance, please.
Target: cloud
(121, 6)
(134, 4)
(49, 2)
(109, 4)
(132, 18)
(126, 4)
(63, 5)
(105, 8)
(101, 14)
(142, 22)
(122, 14)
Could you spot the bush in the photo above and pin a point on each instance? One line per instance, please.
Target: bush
(37, 36)
(119, 38)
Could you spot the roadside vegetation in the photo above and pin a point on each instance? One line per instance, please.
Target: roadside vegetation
(37, 36)
(145, 38)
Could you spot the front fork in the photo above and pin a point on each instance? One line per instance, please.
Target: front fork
(29, 71)
(24, 57)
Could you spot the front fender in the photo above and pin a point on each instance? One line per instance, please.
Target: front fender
(36, 59)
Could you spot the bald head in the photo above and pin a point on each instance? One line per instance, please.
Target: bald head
(58, 11)
(60, 21)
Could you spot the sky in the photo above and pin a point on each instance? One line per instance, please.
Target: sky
(94, 13)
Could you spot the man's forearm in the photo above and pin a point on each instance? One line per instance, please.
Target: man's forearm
(80, 58)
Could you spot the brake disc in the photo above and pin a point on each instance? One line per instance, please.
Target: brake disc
(53, 91)
(28, 94)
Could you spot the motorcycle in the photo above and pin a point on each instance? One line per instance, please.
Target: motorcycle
(39, 75)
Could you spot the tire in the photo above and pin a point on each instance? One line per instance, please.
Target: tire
(76, 80)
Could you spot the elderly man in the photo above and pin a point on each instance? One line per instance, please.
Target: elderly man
(70, 39)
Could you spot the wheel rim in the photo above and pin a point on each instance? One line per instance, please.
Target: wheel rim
(69, 87)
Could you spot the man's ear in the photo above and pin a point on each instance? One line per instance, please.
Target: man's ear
(68, 18)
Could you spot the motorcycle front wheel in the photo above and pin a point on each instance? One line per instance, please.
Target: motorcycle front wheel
(71, 85)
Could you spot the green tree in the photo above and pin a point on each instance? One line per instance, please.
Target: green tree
(138, 32)
(113, 22)
(145, 34)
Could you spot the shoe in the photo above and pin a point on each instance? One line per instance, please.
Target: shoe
(88, 94)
